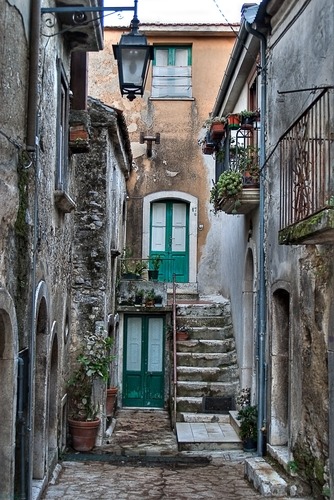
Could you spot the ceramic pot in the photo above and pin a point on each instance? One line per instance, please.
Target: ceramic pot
(111, 400)
(83, 434)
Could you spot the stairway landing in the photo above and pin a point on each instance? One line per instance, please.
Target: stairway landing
(207, 432)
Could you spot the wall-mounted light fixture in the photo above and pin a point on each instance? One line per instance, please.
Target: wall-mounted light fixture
(133, 54)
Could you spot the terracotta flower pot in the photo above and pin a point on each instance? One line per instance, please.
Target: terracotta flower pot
(234, 121)
(217, 131)
(182, 335)
(83, 434)
(111, 399)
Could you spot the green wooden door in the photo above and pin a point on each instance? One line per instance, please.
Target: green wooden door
(143, 376)
(170, 239)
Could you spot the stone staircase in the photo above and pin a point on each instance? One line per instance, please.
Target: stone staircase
(207, 362)
(207, 372)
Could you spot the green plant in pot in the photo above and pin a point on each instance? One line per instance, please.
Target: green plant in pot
(229, 185)
(132, 268)
(93, 364)
(155, 262)
(247, 416)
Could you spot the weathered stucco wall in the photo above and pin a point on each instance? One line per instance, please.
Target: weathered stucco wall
(177, 164)
(300, 57)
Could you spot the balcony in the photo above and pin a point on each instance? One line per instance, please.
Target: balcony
(83, 30)
(247, 200)
(306, 179)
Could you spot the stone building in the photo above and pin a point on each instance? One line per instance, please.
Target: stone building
(168, 211)
(43, 171)
(277, 254)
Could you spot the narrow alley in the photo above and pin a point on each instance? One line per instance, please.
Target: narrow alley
(140, 460)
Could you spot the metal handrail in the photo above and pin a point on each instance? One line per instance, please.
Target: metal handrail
(174, 352)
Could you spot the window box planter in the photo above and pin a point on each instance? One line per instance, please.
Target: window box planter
(234, 121)
(217, 131)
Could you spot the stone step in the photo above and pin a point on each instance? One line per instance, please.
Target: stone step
(264, 478)
(205, 332)
(206, 359)
(204, 309)
(204, 321)
(200, 389)
(189, 404)
(200, 436)
(212, 345)
(204, 417)
(208, 374)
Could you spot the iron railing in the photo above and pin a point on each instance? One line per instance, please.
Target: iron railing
(306, 179)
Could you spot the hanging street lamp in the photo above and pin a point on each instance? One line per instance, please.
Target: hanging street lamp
(133, 55)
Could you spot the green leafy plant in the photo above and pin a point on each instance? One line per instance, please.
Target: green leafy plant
(93, 363)
(215, 119)
(131, 265)
(155, 261)
(248, 422)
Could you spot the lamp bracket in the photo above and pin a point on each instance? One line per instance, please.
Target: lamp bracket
(149, 139)
(72, 9)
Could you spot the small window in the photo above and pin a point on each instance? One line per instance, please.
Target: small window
(172, 72)
(62, 129)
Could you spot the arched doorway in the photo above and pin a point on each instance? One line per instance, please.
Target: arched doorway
(247, 368)
(40, 436)
(279, 362)
(169, 239)
(8, 377)
(53, 399)
(176, 229)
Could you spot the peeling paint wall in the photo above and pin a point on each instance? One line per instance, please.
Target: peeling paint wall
(177, 164)
(305, 272)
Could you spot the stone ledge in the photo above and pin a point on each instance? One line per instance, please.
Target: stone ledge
(316, 229)
(264, 478)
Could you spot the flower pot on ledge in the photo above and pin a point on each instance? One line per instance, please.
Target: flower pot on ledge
(111, 400)
(83, 433)
(217, 131)
(79, 139)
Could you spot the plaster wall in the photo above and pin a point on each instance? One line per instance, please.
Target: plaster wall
(300, 57)
(177, 165)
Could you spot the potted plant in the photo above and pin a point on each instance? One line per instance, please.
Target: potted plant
(182, 333)
(233, 121)
(216, 127)
(139, 296)
(149, 298)
(247, 416)
(111, 400)
(158, 300)
(92, 364)
(247, 118)
(155, 261)
(131, 268)
(229, 185)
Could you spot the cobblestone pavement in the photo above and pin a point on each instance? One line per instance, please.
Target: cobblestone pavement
(104, 481)
(140, 461)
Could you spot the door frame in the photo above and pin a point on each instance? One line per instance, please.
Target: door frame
(174, 196)
(146, 318)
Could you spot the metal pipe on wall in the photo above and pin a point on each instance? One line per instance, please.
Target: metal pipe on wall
(262, 305)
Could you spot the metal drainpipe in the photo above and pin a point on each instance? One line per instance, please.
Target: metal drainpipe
(34, 41)
(262, 309)
(21, 424)
(32, 121)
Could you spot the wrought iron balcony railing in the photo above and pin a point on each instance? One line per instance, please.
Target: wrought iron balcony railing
(306, 177)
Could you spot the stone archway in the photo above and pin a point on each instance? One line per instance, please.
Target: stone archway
(53, 398)
(247, 368)
(40, 442)
(279, 380)
(8, 377)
